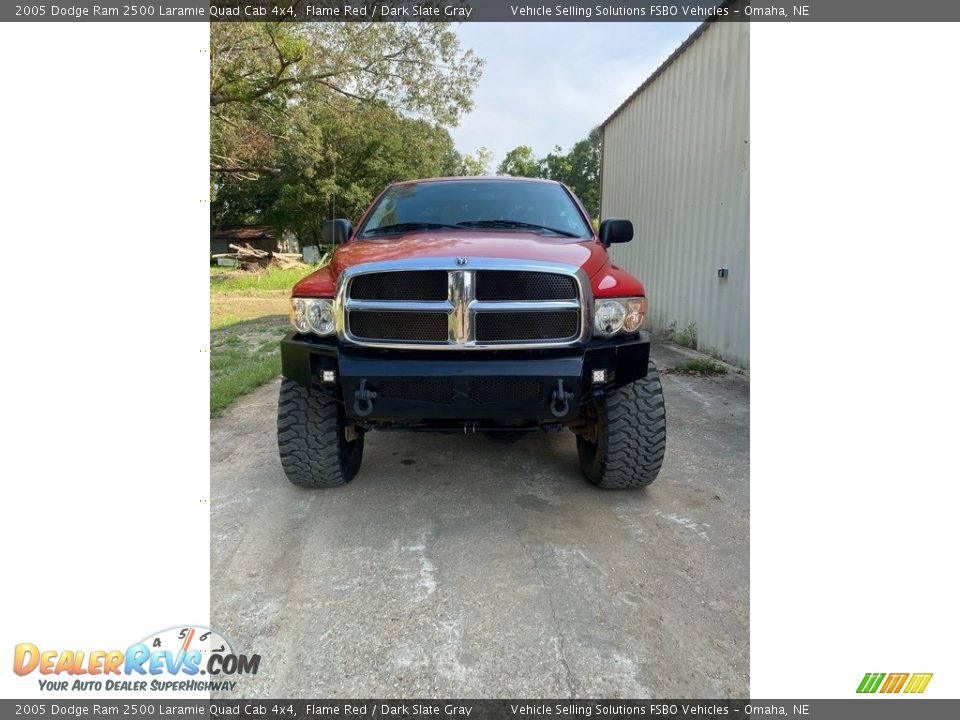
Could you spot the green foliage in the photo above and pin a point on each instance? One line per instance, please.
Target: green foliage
(271, 278)
(226, 320)
(700, 366)
(688, 336)
(418, 68)
(310, 120)
(670, 333)
(243, 357)
(477, 163)
(336, 166)
(521, 162)
(579, 169)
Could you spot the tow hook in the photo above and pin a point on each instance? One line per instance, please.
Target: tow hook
(363, 402)
(559, 400)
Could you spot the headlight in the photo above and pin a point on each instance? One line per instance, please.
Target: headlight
(619, 314)
(298, 314)
(312, 315)
(636, 314)
(609, 317)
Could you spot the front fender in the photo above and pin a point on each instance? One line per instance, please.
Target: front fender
(612, 282)
(321, 283)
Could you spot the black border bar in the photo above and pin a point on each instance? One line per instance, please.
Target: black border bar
(867, 708)
(477, 11)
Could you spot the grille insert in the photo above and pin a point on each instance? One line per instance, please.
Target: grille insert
(490, 390)
(411, 285)
(500, 303)
(434, 391)
(512, 326)
(506, 285)
(399, 326)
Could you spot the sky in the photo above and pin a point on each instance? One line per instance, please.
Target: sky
(547, 84)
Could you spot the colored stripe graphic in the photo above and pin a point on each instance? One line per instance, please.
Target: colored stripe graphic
(894, 682)
(870, 682)
(918, 683)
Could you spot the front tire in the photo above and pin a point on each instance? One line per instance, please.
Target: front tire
(311, 437)
(631, 436)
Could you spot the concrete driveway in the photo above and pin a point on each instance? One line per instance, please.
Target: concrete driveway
(456, 567)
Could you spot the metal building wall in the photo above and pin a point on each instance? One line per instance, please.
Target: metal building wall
(676, 163)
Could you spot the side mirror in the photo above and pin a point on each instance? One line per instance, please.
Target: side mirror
(336, 232)
(615, 230)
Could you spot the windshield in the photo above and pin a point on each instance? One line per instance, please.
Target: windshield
(502, 205)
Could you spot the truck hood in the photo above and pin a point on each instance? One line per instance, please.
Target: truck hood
(475, 245)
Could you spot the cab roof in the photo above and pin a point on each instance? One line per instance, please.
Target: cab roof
(475, 178)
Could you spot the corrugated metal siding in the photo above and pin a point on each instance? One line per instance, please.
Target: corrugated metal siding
(676, 162)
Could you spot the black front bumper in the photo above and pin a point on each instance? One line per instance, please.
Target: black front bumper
(501, 386)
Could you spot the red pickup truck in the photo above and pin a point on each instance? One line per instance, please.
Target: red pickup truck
(470, 305)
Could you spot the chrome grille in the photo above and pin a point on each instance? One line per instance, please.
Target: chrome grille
(518, 326)
(414, 326)
(460, 303)
(505, 285)
(425, 285)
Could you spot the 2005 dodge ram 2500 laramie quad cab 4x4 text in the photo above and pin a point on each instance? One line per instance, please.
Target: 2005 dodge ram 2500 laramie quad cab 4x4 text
(471, 305)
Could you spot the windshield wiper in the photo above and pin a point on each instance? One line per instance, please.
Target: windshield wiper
(404, 226)
(515, 224)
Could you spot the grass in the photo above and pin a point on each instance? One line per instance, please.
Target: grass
(248, 317)
(232, 308)
(688, 336)
(700, 366)
(243, 357)
(230, 280)
(237, 296)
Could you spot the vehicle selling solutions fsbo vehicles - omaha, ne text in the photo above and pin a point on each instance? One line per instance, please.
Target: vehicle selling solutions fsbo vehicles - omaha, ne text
(471, 305)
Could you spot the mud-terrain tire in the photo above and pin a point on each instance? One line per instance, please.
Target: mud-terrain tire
(314, 450)
(631, 436)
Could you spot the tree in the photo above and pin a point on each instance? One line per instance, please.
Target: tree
(476, 164)
(312, 118)
(333, 167)
(582, 171)
(521, 162)
(416, 66)
(260, 72)
(579, 169)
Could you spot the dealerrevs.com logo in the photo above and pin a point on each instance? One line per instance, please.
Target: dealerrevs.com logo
(185, 658)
